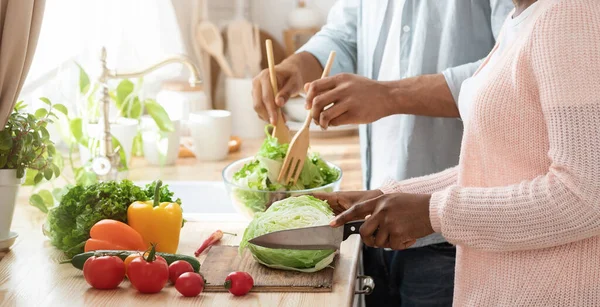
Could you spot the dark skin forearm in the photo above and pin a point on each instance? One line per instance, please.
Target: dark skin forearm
(427, 95)
(359, 100)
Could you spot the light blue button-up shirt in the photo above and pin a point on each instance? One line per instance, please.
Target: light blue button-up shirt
(448, 36)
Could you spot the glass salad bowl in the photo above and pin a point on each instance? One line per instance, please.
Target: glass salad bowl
(247, 201)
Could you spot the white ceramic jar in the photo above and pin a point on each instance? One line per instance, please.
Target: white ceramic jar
(303, 17)
(180, 99)
(238, 99)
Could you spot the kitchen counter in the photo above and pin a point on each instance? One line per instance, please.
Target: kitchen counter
(31, 276)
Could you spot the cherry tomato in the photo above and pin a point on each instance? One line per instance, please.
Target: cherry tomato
(239, 283)
(148, 274)
(104, 272)
(177, 268)
(190, 284)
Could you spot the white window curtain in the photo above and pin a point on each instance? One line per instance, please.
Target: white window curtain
(19, 29)
(136, 33)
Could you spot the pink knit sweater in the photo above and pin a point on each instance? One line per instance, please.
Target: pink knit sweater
(523, 205)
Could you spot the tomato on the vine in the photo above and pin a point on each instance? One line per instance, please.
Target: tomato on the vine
(150, 273)
(104, 272)
(239, 283)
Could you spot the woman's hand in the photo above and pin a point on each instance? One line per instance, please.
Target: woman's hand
(357, 100)
(398, 218)
(341, 201)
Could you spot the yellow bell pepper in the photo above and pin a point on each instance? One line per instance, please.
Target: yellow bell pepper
(158, 223)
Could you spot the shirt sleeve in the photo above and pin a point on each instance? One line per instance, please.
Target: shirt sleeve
(422, 185)
(562, 205)
(456, 75)
(338, 34)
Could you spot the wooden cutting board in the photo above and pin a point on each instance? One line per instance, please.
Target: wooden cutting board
(222, 260)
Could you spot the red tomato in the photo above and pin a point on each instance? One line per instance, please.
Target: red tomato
(105, 272)
(147, 275)
(190, 284)
(239, 283)
(128, 261)
(157, 257)
(177, 268)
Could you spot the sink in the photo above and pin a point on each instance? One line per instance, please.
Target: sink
(203, 200)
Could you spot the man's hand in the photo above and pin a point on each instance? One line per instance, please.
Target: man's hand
(291, 74)
(341, 201)
(357, 100)
(398, 218)
(265, 104)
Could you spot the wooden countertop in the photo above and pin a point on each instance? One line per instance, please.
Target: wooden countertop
(31, 276)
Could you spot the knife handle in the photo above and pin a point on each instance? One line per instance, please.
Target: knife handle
(351, 228)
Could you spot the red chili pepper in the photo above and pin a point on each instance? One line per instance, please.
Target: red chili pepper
(214, 238)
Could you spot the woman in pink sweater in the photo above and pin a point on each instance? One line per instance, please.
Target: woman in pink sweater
(523, 205)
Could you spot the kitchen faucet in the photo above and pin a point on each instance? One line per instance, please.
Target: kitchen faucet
(105, 163)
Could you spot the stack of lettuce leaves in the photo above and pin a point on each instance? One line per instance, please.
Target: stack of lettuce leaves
(293, 212)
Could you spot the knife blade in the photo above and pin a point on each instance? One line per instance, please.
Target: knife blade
(308, 238)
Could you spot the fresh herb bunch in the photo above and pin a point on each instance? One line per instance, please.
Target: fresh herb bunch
(25, 142)
(69, 223)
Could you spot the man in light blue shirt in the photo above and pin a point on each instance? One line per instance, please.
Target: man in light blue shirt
(419, 52)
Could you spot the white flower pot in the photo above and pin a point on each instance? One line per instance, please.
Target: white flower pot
(124, 130)
(160, 148)
(9, 186)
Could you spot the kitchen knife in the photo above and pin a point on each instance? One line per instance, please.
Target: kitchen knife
(316, 237)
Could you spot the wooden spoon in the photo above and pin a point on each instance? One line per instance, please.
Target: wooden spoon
(210, 39)
(252, 50)
(281, 131)
(237, 31)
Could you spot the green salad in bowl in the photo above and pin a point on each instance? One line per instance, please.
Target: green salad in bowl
(252, 182)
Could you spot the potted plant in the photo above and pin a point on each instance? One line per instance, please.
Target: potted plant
(25, 145)
(128, 108)
(81, 127)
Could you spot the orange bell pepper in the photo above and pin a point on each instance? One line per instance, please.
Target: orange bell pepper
(113, 235)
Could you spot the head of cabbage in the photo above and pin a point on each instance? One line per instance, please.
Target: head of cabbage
(293, 212)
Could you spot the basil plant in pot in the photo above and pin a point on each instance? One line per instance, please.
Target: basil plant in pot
(25, 145)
